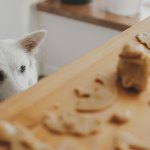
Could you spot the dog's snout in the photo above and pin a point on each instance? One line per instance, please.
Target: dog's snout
(2, 76)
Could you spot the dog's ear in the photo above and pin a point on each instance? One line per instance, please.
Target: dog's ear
(32, 41)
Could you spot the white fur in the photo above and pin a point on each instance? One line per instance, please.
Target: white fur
(12, 56)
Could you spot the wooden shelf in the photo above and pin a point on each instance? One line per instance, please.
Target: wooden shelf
(93, 13)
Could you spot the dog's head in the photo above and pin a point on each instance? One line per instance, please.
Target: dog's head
(17, 64)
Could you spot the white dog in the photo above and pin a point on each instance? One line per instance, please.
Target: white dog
(18, 69)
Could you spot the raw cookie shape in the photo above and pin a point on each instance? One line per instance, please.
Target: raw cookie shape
(71, 123)
(102, 96)
(144, 38)
(133, 67)
(126, 141)
(18, 137)
(120, 117)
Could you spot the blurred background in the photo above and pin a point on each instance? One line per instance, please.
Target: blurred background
(68, 38)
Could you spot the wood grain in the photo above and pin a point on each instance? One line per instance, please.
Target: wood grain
(29, 107)
(93, 13)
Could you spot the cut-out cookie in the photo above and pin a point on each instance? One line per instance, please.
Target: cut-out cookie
(102, 96)
(18, 138)
(99, 101)
(127, 141)
(133, 67)
(144, 38)
(120, 117)
(71, 123)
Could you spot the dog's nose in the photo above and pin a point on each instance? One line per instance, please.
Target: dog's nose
(2, 76)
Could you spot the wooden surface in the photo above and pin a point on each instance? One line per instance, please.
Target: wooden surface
(93, 13)
(29, 107)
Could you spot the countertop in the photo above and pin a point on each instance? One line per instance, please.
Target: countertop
(93, 12)
(57, 89)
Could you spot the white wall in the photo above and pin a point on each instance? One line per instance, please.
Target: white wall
(15, 17)
(147, 1)
(68, 39)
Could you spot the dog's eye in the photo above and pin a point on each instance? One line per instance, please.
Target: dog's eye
(22, 69)
(2, 76)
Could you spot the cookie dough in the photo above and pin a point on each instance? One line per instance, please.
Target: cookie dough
(72, 123)
(102, 97)
(126, 141)
(133, 66)
(82, 93)
(120, 117)
(144, 38)
(17, 137)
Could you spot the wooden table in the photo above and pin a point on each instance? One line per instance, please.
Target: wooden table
(93, 12)
(29, 107)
